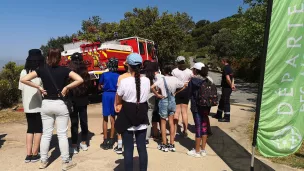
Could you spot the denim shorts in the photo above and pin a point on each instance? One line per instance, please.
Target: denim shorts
(167, 107)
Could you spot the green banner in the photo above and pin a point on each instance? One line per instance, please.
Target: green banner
(281, 124)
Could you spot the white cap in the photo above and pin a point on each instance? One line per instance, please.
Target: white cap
(198, 65)
(180, 58)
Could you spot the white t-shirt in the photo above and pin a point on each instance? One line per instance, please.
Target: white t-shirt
(184, 75)
(173, 83)
(31, 97)
(127, 89)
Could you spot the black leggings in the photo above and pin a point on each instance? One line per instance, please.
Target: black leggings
(80, 112)
(34, 123)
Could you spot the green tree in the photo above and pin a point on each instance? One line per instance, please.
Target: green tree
(56, 43)
(9, 81)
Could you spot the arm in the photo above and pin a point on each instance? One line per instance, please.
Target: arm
(77, 81)
(230, 83)
(27, 81)
(155, 92)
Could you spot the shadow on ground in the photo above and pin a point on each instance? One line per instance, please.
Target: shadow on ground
(2, 140)
(121, 164)
(232, 153)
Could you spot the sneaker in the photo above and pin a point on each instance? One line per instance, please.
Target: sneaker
(84, 147)
(118, 150)
(43, 164)
(74, 150)
(35, 158)
(203, 153)
(193, 153)
(110, 143)
(104, 145)
(68, 165)
(185, 134)
(163, 147)
(28, 158)
(224, 120)
(217, 116)
(171, 147)
(147, 143)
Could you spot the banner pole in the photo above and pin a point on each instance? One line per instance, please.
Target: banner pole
(260, 90)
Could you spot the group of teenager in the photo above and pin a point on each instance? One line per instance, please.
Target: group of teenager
(136, 103)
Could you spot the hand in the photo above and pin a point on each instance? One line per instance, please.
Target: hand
(233, 87)
(118, 108)
(160, 96)
(41, 89)
(64, 91)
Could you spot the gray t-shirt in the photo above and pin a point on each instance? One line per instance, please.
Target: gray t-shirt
(173, 83)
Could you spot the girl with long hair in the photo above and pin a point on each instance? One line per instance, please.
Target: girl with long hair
(183, 74)
(133, 117)
(31, 100)
(53, 106)
(200, 113)
(79, 96)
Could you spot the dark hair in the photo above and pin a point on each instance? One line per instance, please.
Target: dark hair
(149, 71)
(181, 65)
(226, 60)
(136, 69)
(80, 68)
(31, 65)
(168, 70)
(204, 71)
(54, 57)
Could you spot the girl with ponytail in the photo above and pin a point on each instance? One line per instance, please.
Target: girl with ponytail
(133, 117)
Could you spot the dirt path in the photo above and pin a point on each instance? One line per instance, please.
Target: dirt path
(226, 137)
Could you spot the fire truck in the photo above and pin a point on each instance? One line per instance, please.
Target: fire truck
(96, 54)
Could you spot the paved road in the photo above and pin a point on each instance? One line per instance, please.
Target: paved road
(245, 93)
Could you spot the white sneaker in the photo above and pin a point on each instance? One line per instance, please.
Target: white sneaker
(193, 153)
(43, 164)
(84, 147)
(74, 150)
(203, 153)
(68, 165)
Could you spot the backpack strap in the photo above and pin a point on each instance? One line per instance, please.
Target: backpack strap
(167, 89)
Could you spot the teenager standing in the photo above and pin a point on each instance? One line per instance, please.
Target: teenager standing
(53, 107)
(200, 113)
(167, 106)
(31, 100)
(108, 82)
(79, 96)
(133, 118)
(183, 74)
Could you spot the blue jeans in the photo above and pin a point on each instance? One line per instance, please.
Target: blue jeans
(127, 139)
(167, 107)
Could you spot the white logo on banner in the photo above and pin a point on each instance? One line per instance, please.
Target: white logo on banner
(288, 138)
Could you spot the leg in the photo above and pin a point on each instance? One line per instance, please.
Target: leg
(119, 141)
(172, 129)
(163, 130)
(112, 120)
(62, 121)
(142, 150)
(127, 138)
(150, 113)
(74, 126)
(83, 115)
(185, 118)
(220, 108)
(38, 133)
(198, 130)
(30, 132)
(205, 113)
(176, 117)
(105, 127)
(226, 101)
(48, 127)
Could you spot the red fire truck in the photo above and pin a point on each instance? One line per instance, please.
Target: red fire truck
(97, 54)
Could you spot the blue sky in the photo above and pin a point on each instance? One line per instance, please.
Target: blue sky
(26, 24)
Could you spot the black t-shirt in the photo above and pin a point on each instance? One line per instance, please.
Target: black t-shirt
(60, 75)
(226, 71)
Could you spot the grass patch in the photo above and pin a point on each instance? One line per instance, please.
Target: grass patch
(8, 115)
(295, 160)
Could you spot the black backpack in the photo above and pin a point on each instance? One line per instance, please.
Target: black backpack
(207, 94)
